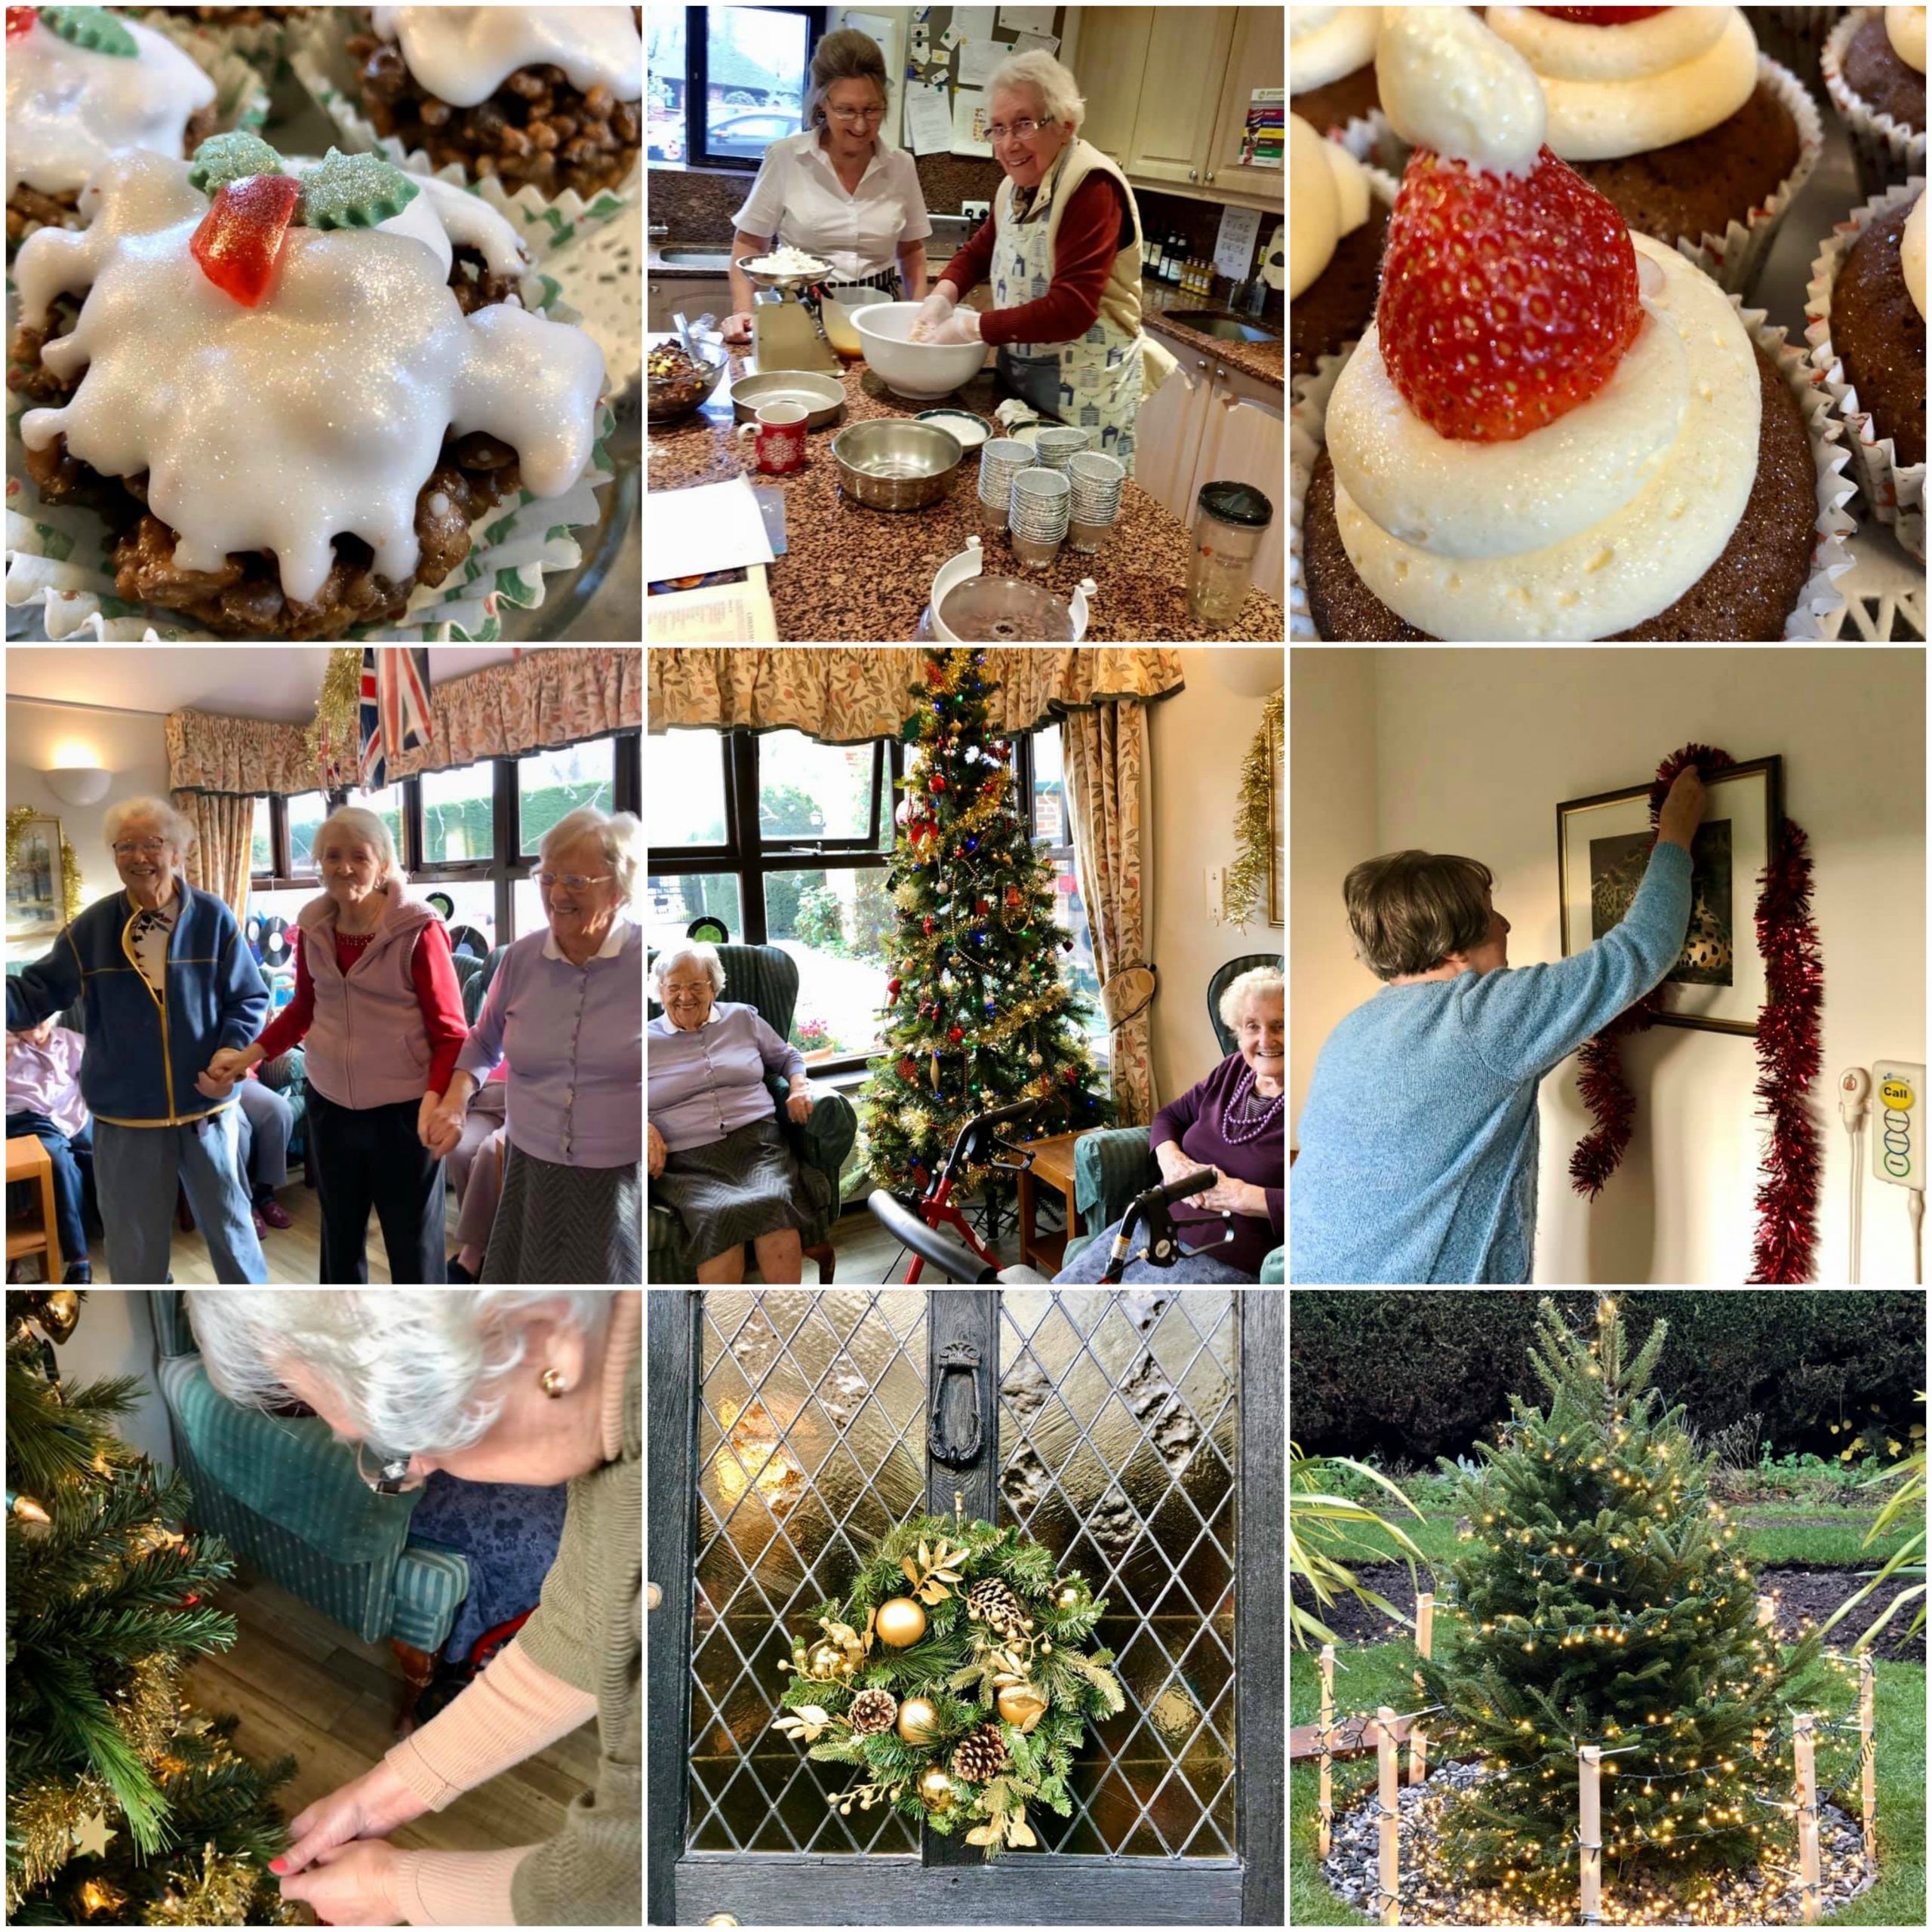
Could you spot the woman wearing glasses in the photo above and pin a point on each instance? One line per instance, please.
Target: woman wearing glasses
(1062, 249)
(566, 1009)
(837, 191)
(488, 1386)
(165, 980)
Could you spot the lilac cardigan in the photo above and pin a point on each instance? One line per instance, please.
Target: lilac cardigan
(709, 1083)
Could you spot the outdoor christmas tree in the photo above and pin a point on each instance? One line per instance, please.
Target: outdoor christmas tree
(980, 1014)
(123, 1806)
(1603, 1601)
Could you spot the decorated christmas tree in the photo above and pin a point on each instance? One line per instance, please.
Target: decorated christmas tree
(1603, 1600)
(979, 1016)
(123, 1806)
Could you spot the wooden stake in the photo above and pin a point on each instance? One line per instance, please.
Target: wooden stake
(1325, 1816)
(1388, 1872)
(1807, 1818)
(1868, 1755)
(1589, 1830)
(1418, 1732)
(1768, 1612)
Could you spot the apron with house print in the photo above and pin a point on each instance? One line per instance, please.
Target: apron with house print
(1092, 383)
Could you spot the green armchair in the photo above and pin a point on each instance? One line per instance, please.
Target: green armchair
(764, 978)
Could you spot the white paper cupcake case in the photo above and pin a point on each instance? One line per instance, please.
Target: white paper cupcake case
(1732, 259)
(1893, 491)
(56, 554)
(1886, 150)
(1832, 556)
(262, 44)
(546, 223)
(1373, 140)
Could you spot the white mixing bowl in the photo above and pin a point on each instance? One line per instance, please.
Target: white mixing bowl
(923, 370)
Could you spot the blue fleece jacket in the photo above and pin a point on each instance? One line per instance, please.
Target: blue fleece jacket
(144, 1051)
(1418, 1159)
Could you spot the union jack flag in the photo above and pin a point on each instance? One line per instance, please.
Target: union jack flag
(395, 710)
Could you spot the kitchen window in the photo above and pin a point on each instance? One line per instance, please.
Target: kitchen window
(742, 82)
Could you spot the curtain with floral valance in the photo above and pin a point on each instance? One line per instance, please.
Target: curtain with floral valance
(546, 699)
(852, 694)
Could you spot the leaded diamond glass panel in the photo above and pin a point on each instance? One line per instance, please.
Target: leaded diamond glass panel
(811, 1429)
(1117, 1435)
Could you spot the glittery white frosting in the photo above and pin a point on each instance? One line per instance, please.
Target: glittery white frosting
(1581, 529)
(320, 412)
(1617, 90)
(1329, 191)
(1449, 83)
(1904, 27)
(1912, 253)
(68, 107)
(464, 54)
(1324, 43)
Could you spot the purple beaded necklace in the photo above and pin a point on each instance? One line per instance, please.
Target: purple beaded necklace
(1238, 1134)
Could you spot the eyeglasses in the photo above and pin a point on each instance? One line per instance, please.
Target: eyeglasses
(149, 848)
(569, 881)
(849, 116)
(394, 1474)
(1021, 131)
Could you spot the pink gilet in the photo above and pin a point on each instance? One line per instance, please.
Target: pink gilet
(368, 1045)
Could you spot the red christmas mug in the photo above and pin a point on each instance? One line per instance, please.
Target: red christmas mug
(779, 437)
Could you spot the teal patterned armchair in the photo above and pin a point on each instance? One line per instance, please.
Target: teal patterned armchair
(764, 978)
(286, 1497)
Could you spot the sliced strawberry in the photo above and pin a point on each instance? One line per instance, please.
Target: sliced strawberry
(239, 237)
(1506, 301)
(1601, 16)
(19, 20)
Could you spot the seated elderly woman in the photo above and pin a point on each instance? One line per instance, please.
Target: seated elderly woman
(715, 1151)
(1231, 1121)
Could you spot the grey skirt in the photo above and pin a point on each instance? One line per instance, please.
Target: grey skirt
(555, 1224)
(731, 1191)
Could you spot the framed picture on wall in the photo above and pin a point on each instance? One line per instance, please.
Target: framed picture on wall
(1603, 845)
(37, 883)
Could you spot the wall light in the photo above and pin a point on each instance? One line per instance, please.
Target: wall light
(79, 784)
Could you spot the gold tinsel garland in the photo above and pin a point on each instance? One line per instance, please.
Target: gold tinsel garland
(1248, 876)
(335, 729)
(18, 817)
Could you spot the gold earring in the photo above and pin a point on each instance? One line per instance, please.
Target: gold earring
(552, 1382)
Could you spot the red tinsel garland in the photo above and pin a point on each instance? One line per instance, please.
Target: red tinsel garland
(1790, 1051)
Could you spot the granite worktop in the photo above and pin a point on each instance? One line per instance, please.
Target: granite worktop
(854, 575)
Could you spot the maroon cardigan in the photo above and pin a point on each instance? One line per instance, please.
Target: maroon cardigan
(1194, 1120)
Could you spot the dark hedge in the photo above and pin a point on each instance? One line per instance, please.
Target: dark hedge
(1421, 1373)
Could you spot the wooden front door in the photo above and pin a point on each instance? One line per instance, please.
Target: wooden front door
(1135, 1433)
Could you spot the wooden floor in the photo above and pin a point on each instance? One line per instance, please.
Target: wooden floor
(301, 1683)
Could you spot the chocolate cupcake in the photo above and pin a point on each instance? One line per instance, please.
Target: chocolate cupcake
(1340, 219)
(1874, 69)
(1878, 74)
(547, 97)
(364, 390)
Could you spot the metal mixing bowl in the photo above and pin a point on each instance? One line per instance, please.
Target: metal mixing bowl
(890, 463)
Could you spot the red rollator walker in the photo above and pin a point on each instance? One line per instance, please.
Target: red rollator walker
(934, 1208)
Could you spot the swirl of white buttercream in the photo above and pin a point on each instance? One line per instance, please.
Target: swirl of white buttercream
(1324, 43)
(1617, 90)
(1905, 28)
(1590, 565)
(1911, 254)
(1329, 191)
(1448, 84)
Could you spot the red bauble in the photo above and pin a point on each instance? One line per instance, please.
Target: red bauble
(892, 986)
(927, 924)
(936, 782)
(955, 1035)
(909, 1069)
(982, 906)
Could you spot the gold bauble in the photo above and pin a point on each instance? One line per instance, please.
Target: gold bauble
(918, 1717)
(59, 1310)
(901, 1622)
(1022, 1706)
(936, 1791)
(828, 1660)
(1067, 1596)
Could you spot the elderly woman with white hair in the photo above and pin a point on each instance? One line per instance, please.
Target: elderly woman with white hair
(1062, 249)
(717, 1157)
(489, 1385)
(566, 1009)
(166, 980)
(1232, 1121)
(377, 1007)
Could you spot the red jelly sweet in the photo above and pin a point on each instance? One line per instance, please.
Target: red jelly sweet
(240, 238)
(19, 20)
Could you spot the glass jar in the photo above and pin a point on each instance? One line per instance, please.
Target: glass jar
(1230, 520)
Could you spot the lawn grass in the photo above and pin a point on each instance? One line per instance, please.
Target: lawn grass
(1379, 1674)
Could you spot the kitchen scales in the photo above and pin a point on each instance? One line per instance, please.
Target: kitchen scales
(786, 333)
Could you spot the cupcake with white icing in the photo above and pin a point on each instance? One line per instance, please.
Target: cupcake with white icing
(82, 85)
(290, 391)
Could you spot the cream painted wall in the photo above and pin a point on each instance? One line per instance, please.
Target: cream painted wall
(130, 744)
(1196, 742)
(1473, 749)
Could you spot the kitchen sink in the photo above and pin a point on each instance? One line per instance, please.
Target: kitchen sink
(695, 258)
(1209, 322)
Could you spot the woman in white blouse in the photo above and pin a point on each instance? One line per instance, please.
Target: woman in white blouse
(837, 191)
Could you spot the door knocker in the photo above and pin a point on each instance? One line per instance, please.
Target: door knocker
(939, 1439)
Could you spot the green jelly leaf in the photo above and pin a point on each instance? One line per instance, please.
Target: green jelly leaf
(222, 159)
(353, 191)
(94, 28)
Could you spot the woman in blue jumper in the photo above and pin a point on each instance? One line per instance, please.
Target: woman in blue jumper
(1418, 1157)
(167, 980)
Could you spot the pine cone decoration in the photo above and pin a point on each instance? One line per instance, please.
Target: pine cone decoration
(873, 1711)
(981, 1756)
(991, 1599)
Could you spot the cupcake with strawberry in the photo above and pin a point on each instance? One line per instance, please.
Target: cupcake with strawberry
(1675, 117)
(1555, 428)
(1874, 66)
